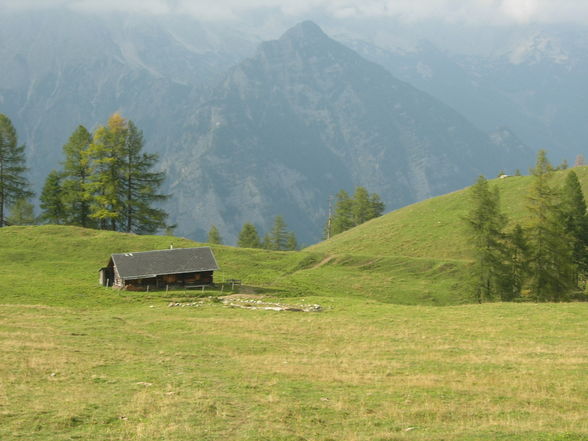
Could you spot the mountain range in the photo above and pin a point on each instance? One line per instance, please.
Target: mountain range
(246, 134)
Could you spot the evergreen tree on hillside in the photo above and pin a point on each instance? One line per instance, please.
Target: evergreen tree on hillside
(551, 265)
(139, 186)
(361, 207)
(52, 200)
(21, 213)
(214, 236)
(248, 237)
(486, 226)
(121, 185)
(76, 172)
(575, 222)
(266, 243)
(343, 215)
(291, 242)
(106, 162)
(278, 236)
(13, 184)
(519, 255)
(353, 211)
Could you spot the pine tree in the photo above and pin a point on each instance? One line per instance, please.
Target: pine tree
(278, 235)
(52, 199)
(376, 206)
(248, 237)
(343, 216)
(361, 207)
(21, 213)
(266, 243)
(291, 243)
(486, 228)
(76, 173)
(139, 186)
(13, 184)
(551, 266)
(574, 219)
(519, 255)
(214, 236)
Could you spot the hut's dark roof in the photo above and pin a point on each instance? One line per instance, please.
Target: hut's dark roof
(155, 263)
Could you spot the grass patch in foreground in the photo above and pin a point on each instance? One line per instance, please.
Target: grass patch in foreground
(361, 370)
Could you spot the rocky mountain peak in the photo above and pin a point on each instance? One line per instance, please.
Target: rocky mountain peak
(306, 30)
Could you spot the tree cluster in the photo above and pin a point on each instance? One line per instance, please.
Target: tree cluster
(351, 211)
(107, 182)
(278, 238)
(545, 261)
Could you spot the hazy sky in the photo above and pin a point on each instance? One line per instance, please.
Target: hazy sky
(465, 11)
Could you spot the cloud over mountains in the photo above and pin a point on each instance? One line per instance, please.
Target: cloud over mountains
(462, 11)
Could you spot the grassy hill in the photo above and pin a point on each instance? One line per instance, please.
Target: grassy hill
(53, 264)
(84, 362)
(433, 228)
(80, 361)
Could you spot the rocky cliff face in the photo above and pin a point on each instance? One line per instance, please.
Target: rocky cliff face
(305, 117)
(61, 69)
(531, 81)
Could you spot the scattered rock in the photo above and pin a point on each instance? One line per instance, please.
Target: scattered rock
(143, 383)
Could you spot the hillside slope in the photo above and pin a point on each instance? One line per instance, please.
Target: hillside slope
(433, 228)
(56, 265)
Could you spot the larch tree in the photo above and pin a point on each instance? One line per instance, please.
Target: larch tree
(139, 186)
(76, 173)
(105, 157)
(575, 222)
(486, 226)
(52, 206)
(291, 242)
(122, 185)
(214, 236)
(551, 265)
(248, 237)
(519, 256)
(14, 186)
(278, 235)
(343, 215)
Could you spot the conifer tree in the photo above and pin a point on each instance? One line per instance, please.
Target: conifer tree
(214, 236)
(248, 237)
(266, 243)
(104, 185)
(343, 216)
(52, 199)
(291, 242)
(575, 222)
(122, 185)
(13, 184)
(139, 186)
(76, 172)
(361, 207)
(519, 255)
(551, 266)
(486, 228)
(21, 213)
(278, 235)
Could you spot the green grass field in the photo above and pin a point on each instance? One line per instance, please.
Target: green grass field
(84, 362)
(434, 228)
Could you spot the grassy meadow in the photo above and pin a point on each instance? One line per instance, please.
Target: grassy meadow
(434, 228)
(380, 362)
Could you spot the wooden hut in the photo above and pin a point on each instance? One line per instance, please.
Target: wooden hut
(158, 269)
